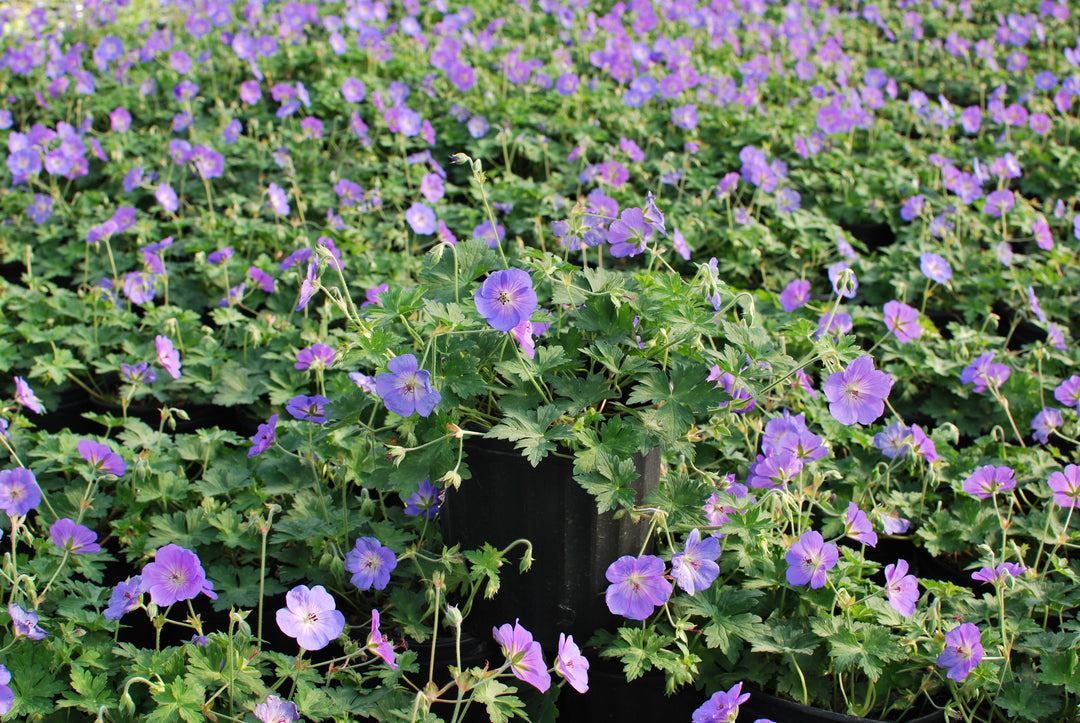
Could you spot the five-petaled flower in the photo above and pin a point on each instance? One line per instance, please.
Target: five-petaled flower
(101, 457)
(175, 574)
(124, 598)
(265, 437)
(379, 644)
(276, 710)
(308, 408)
(722, 707)
(637, 586)
(810, 558)
(311, 616)
(370, 563)
(19, 491)
(524, 655)
(406, 388)
(168, 356)
(858, 393)
(963, 651)
(903, 321)
(901, 588)
(73, 538)
(571, 664)
(506, 298)
(25, 623)
(695, 568)
(857, 526)
(1066, 486)
(988, 480)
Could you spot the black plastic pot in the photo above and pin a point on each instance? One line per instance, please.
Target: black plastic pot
(611, 699)
(508, 499)
(782, 710)
(475, 652)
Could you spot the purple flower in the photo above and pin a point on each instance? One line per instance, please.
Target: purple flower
(935, 268)
(353, 90)
(278, 199)
(317, 356)
(637, 586)
(722, 707)
(901, 588)
(903, 321)
(912, 207)
(215, 258)
(308, 408)
(274, 709)
(421, 219)
(571, 664)
(250, 92)
(695, 568)
(175, 574)
(102, 458)
(524, 332)
(524, 655)
(370, 563)
(264, 438)
(506, 298)
(124, 598)
(167, 355)
(833, 325)
(1068, 392)
(998, 574)
(1065, 486)
(74, 538)
(138, 373)
(858, 393)
(138, 287)
(406, 388)
(167, 197)
(1044, 423)
(848, 288)
(309, 286)
(809, 559)
(262, 279)
(653, 215)
(988, 480)
(922, 446)
(25, 622)
(629, 233)
(998, 203)
(985, 373)
(424, 502)
(894, 525)
(310, 616)
(795, 295)
(963, 651)
(24, 395)
(857, 526)
(40, 209)
(774, 470)
(7, 696)
(19, 491)
(379, 644)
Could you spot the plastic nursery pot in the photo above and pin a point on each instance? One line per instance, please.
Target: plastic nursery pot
(509, 499)
(782, 710)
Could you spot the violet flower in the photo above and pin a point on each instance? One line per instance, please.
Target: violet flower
(995, 575)
(167, 355)
(524, 655)
(857, 526)
(264, 438)
(175, 574)
(274, 709)
(308, 408)
(794, 295)
(903, 321)
(809, 559)
(424, 502)
(370, 563)
(19, 491)
(310, 615)
(406, 388)
(988, 480)
(101, 457)
(858, 393)
(963, 651)
(935, 268)
(984, 373)
(124, 598)
(74, 538)
(1065, 486)
(25, 623)
(695, 568)
(571, 664)
(1044, 423)
(901, 588)
(379, 644)
(506, 298)
(25, 396)
(317, 356)
(722, 707)
(637, 586)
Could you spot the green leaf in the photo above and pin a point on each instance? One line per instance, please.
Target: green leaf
(532, 432)
(870, 647)
(236, 386)
(1027, 700)
(611, 482)
(639, 649)
(180, 698)
(499, 700)
(485, 564)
